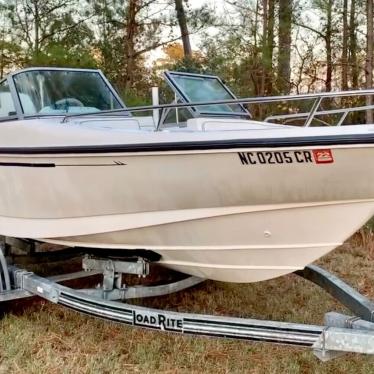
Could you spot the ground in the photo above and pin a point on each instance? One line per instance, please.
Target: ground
(42, 337)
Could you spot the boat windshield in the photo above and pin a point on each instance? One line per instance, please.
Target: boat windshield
(56, 92)
(194, 88)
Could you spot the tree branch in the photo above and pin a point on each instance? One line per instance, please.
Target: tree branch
(323, 36)
(62, 30)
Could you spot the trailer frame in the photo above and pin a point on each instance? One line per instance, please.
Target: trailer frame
(340, 333)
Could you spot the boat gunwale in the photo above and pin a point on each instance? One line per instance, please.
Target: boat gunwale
(304, 141)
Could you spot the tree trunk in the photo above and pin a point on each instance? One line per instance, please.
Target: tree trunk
(344, 60)
(264, 70)
(256, 24)
(2, 59)
(182, 21)
(36, 28)
(255, 70)
(369, 58)
(353, 45)
(268, 60)
(329, 46)
(284, 55)
(131, 31)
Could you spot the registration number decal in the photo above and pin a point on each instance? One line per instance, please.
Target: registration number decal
(317, 156)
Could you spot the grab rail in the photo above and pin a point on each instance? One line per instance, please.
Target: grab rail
(318, 98)
(344, 113)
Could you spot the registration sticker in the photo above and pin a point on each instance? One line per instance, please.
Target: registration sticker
(323, 156)
(316, 156)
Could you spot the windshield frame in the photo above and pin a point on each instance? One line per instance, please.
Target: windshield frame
(201, 111)
(17, 101)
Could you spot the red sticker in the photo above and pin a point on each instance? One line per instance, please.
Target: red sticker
(323, 156)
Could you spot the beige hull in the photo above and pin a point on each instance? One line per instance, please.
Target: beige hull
(205, 212)
(250, 246)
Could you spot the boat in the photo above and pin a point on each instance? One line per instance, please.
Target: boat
(199, 183)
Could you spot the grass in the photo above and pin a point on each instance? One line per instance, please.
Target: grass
(41, 337)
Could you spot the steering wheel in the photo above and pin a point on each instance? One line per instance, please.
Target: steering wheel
(66, 103)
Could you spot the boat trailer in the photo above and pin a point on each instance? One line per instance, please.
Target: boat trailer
(340, 334)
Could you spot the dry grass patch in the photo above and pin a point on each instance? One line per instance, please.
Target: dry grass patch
(41, 337)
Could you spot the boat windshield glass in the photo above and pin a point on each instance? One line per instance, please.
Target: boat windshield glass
(199, 88)
(56, 92)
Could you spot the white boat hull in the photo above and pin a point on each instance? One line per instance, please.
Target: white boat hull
(207, 213)
(250, 246)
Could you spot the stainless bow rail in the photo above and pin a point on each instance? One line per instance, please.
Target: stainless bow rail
(316, 100)
(339, 335)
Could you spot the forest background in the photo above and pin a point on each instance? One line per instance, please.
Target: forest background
(259, 47)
